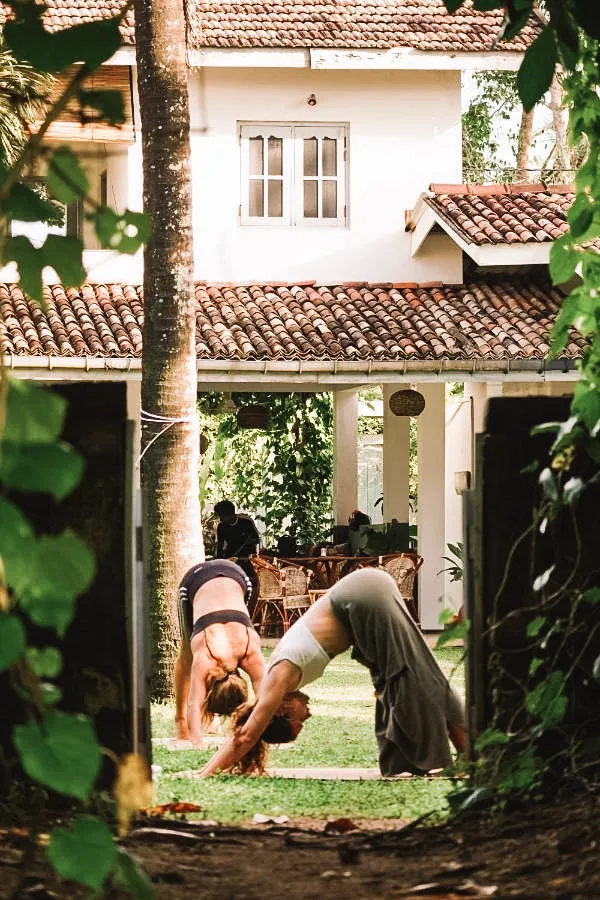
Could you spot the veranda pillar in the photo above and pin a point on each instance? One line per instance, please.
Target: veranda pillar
(431, 442)
(345, 449)
(396, 448)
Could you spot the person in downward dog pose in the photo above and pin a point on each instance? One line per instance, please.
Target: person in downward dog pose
(217, 639)
(416, 709)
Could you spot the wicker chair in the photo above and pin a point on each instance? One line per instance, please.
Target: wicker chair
(295, 593)
(403, 569)
(269, 611)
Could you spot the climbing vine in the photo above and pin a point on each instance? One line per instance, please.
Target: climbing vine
(284, 472)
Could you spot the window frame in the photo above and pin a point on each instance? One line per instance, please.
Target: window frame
(293, 135)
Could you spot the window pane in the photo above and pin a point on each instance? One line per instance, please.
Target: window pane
(310, 156)
(329, 199)
(256, 206)
(275, 199)
(275, 156)
(256, 156)
(329, 156)
(311, 206)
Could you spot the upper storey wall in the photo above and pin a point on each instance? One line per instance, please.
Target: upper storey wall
(403, 131)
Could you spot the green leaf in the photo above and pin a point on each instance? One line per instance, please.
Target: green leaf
(85, 853)
(132, 878)
(51, 694)
(537, 69)
(28, 205)
(491, 738)
(592, 595)
(46, 662)
(60, 569)
(16, 541)
(48, 468)
(12, 640)
(65, 255)
(66, 179)
(586, 404)
(455, 632)
(34, 414)
(535, 626)
(563, 260)
(61, 752)
(109, 105)
(547, 701)
(453, 5)
(580, 216)
(534, 665)
(91, 43)
(124, 232)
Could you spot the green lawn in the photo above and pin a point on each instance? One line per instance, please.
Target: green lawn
(340, 733)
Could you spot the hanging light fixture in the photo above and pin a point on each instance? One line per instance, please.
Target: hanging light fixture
(227, 406)
(253, 416)
(407, 402)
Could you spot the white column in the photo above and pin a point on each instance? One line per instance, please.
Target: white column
(345, 454)
(431, 443)
(396, 448)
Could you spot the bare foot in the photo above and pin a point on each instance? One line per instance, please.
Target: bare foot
(182, 732)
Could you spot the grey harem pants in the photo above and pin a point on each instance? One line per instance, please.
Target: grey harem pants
(415, 702)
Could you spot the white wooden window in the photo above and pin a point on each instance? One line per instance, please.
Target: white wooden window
(293, 174)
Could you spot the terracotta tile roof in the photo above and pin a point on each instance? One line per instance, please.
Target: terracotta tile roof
(492, 319)
(419, 24)
(504, 214)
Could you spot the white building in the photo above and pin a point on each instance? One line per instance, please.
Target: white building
(314, 130)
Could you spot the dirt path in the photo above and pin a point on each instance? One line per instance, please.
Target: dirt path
(549, 853)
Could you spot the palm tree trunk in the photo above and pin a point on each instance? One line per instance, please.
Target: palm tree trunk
(172, 532)
(524, 145)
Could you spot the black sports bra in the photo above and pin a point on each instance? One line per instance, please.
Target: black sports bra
(221, 617)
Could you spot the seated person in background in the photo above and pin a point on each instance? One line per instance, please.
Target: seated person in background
(355, 521)
(352, 545)
(217, 638)
(237, 536)
(417, 711)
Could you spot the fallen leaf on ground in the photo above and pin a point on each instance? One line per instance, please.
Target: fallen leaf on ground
(341, 826)
(175, 807)
(261, 819)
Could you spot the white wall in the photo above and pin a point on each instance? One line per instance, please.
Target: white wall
(404, 132)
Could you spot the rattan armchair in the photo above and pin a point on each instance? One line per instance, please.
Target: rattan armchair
(295, 593)
(403, 569)
(269, 612)
(282, 595)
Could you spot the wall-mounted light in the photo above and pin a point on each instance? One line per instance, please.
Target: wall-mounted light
(462, 482)
(312, 100)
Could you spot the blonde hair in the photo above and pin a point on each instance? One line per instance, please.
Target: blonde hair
(225, 692)
(254, 762)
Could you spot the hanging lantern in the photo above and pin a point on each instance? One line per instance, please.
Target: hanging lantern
(407, 403)
(253, 416)
(204, 443)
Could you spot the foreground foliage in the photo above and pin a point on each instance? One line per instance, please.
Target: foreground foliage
(554, 731)
(41, 576)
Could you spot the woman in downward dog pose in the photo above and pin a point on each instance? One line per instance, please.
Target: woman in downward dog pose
(416, 710)
(217, 639)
